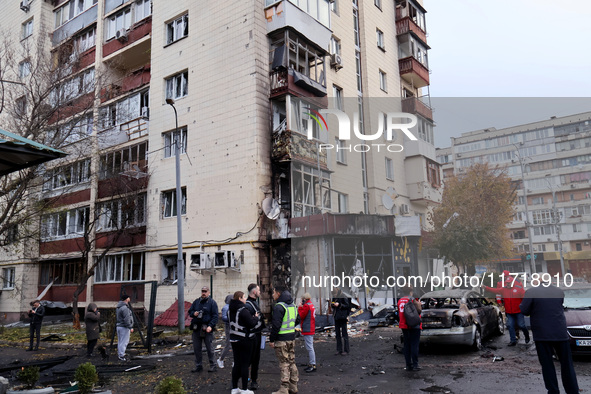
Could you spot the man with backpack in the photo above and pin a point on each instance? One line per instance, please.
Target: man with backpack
(409, 312)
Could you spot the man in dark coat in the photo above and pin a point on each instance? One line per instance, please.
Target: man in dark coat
(548, 325)
(254, 292)
(204, 312)
(36, 314)
(91, 319)
(341, 307)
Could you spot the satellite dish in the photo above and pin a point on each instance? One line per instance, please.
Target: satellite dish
(271, 208)
(389, 197)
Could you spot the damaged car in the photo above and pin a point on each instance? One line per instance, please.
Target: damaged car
(459, 317)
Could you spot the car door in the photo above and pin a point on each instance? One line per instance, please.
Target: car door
(482, 311)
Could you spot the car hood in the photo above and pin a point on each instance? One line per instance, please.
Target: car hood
(577, 317)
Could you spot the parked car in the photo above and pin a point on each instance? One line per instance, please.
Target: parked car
(577, 310)
(459, 317)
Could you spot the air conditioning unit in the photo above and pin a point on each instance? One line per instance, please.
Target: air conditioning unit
(336, 61)
(145, 112)
(25, 5)
(404, 209)
(224, 259)
(201, 261)
(121, 35)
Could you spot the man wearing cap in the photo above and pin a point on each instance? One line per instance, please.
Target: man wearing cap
(204, 314)
(36, 314)
(512, 292)
(124, 326)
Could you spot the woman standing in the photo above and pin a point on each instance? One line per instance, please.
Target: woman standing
(92, 327)
(241, 322)
(226, 321)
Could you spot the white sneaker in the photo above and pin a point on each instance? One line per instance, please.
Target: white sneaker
(236, 391)
(220, 363)
(246, 392)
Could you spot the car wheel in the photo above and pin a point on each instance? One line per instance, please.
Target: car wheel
(477, 344)
(500, 325)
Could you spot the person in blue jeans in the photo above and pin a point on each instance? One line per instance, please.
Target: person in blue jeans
(226, 320)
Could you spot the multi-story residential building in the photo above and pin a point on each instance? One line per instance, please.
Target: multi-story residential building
(550, 166)
(271, 191)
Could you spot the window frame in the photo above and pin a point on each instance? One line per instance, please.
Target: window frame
(175, 83)
(8, 280)
(380, 39)
(168, 203)
(172, 29)
(114, 268)
(341, 153)
(27, 28)
(389, 166)
(169, 145)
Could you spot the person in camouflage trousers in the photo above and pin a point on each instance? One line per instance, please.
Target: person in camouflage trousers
(282, 339)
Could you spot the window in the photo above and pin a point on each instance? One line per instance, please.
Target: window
(169, 203)
(61, 272)
(577, 227)
(556, 247)
(433, 173)
(335, 46)
(113, 163)
(537, 200)
(177, 86)
(119, 21)
(64, 224)
(85, 41)
(378, 3)
(27, 29)
(121, 268)
(177, 29)
(341, 152)
(169, 268)
(334, 6)
(68, 175)
(343, 203)
(74, 87)
(143, 9)
(71, 9)
(169, 142)
(337, 94)
(311, 190)
(300, 119)
(389, 169)
(20, 105)
(578, 247)
(122, 213)
(125, 110)
(380, 37)
(24, 69)
(8, 278)
(383, 84)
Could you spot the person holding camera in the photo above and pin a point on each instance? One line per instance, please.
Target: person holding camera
(308, 323)
(36, 313)
(242, 338)
(91, 320)
(204, 312)
(341, 307)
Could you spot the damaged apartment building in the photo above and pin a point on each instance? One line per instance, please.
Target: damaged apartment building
(272, 190)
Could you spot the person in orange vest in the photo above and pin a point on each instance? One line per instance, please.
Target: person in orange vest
(512, 292)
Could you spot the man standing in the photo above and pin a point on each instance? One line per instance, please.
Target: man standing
(282, 339)
(204, 312)
(36, 315)
(512, 294)
(548, 326)
(308, 321)
(254, 292)
(124, 326)
(341, 307)
(411, 335)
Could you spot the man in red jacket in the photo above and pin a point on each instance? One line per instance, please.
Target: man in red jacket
(307, 316)
(512, 293)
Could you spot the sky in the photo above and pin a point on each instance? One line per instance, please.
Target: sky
(520, 49)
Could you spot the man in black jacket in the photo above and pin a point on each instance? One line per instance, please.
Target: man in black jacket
(548, 325)
(282, 339)
(254, 292)
(341, 307)
(204, 312)
(36, 315)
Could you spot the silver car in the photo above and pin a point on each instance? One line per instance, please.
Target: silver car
(459, 317)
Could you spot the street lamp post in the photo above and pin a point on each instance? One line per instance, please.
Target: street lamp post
(556, 222)
(527, 225)
(179, 230)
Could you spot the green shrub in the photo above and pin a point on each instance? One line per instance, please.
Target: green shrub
(29, 376)
(170, 385)
(86, 377)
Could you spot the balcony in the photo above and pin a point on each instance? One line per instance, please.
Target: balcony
(135, 128)
(413, 72)
(414, 105)
(293, 146)
(133, 50)
(285, 14)
(74, 25)
(407, 25)
(295, 83)
(423, 193)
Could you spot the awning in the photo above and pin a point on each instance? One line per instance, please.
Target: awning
(17, 153)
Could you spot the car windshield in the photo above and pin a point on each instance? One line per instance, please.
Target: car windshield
(577, 298)
(436, 303)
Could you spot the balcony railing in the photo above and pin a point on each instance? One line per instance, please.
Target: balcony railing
(136, 128)
(412, 71)
(414, 105)
(406, 25)
(293, 146)
(424, 192)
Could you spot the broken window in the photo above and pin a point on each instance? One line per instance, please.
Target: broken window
(120, 268)
(177, 86)
(177, 29)
(61, 272)
(170, 268)
(169, 142)
(169, 203)
(311, 191)
(65, 223)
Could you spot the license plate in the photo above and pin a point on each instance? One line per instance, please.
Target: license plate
(585, 342)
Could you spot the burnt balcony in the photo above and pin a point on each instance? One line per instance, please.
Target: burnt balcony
(289, 81)
(413, 72)
(293, 146)
(407, 25)
(414, 105)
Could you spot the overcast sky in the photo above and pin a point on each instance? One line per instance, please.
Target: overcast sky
(502, 48)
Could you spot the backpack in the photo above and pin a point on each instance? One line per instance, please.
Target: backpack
(411, 315)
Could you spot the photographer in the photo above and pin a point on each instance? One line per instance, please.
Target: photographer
(204, 312)
(36, 314)
(341, 307)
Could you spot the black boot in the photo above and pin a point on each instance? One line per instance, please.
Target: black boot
(526, 333)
